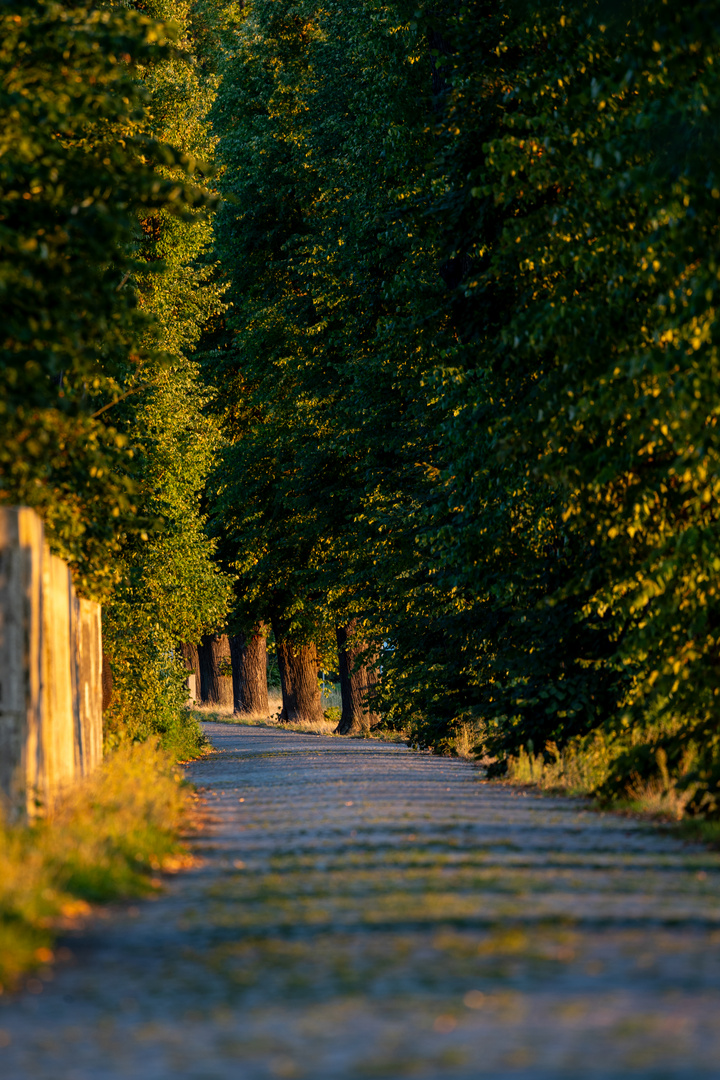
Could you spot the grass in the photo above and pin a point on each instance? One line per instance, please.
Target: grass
(464, 742)
(224, 715)
(585, 764)
(107, 840)
(579, 769)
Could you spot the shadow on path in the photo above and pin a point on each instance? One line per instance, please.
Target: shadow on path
(363, 911)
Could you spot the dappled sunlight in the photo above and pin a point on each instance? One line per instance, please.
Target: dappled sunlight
(361, 909)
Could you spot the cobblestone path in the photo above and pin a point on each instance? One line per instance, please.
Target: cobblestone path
(363, 911)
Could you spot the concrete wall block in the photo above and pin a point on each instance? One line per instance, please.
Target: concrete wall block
(22, 547)
(50, 671)
(59, 753)
(87, 683)
(191, 686)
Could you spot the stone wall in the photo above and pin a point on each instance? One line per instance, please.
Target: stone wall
(50, 671)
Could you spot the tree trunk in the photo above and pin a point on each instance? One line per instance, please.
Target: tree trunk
(215, 679)
(191, 660)
(356, 682)
(249, 674)
(298, 679)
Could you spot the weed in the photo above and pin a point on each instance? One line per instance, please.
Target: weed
(584, 766)
(465, 741)
(579, 769)
(661, 796)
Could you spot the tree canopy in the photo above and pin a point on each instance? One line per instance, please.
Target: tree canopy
(102, 217)
(468, 372)
(431, 353)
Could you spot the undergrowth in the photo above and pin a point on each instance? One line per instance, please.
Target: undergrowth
(106, 840)
(579, 769)
(139, 715)
(587, 766)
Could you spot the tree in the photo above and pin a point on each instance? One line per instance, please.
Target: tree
(358, 680)
(171, 588)
(248, 654)
(313, 424)
(577, 201)
(468, 378)
(216, 681)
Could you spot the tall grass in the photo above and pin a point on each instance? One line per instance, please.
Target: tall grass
(585, 765)
(579, 769)
(106, 840)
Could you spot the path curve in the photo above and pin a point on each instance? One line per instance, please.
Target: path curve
(364, 911)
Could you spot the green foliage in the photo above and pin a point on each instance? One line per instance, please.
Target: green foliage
(76, 169)
(598, 177)
(170, 589)
(308, 414)
(470, 371)
(105, 286)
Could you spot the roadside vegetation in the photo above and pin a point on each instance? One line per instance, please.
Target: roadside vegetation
(109, 839)
(584, 767)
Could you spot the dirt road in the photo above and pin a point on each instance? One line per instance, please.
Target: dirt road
(364, 911)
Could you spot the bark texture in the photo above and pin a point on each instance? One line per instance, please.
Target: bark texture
(356, 682)
(191, 660)
(214, 654)
(249, 674)
(299, 668)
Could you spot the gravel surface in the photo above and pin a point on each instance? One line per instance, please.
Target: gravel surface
(365, 911)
